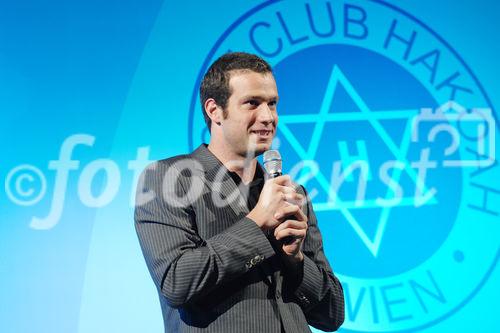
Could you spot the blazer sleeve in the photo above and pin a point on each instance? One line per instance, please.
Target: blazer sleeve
(183, 266)
(318, 290)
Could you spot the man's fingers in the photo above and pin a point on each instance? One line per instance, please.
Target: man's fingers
(286, 210)
(294, 198)
(291, 209)
(286, 189)
(283, 180)
(300, 215)
(290, 224)
(297, 233)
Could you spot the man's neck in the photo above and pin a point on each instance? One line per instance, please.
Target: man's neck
(242, 166)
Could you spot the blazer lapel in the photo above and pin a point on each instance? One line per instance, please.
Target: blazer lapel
(218, 179)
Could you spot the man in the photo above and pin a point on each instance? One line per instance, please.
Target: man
(228, 250)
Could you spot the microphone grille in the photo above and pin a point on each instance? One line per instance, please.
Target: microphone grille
(272, 162)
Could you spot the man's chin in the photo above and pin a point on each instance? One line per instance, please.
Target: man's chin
(258, 148)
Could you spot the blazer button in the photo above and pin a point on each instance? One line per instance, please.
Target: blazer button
(256, 259)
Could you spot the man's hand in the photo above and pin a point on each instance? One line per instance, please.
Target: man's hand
(277, 193)
(292, 231)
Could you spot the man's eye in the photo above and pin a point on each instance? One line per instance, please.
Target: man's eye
(253, 102)
(273, 103)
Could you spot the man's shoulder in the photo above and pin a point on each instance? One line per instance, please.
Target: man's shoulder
(174, 159)
(195, 160)
(179, 161)
(171, 171)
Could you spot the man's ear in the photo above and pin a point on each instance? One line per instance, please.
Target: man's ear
(213, 111)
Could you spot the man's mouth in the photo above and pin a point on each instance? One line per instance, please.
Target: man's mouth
(262, 133)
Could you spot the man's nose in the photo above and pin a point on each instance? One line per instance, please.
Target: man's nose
(266, 114)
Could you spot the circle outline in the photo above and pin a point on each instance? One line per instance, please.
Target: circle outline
(249, 13)
(25, 168)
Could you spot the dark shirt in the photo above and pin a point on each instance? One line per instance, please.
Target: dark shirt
(250, 191)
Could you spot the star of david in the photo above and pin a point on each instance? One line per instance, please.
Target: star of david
(337, 78)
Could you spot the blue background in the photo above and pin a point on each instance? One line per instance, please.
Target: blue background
(69, 67)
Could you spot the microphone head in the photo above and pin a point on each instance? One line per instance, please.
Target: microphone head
(272, 162)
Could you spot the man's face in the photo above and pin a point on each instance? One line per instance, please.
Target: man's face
(251, 117)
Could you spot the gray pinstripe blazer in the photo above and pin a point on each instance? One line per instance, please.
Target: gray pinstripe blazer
(215, 270)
